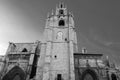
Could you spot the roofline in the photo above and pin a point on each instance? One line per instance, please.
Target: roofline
(25, 43)
(88, 54)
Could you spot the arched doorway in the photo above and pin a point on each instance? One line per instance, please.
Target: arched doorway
(15, 73)
(89, 75)
(17, 77)
(113, 77)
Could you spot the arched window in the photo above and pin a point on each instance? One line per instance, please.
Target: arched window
(61, 12)
(61, 23)
(24, 50)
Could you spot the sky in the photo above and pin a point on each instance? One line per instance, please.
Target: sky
(97, 23)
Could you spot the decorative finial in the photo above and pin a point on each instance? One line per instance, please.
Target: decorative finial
(71, 14)
(52, 12)
(10, 42)
(84, 50)
(37, 42)
(107, 61)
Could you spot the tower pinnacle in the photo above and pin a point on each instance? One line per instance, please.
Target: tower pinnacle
(61, 5)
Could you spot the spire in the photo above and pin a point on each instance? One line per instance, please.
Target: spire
(107, 61)
(56, 9)
(107, 57)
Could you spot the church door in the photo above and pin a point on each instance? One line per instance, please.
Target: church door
(113, 76)
(15, 73)
(89, 75)
(17, 77)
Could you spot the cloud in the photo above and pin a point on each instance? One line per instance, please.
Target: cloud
(3, 48)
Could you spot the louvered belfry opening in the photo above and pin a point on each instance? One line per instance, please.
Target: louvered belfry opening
(61, 23)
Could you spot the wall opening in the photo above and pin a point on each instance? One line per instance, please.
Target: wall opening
(61, 12)
(65, 39)
(16, 73)
(89, 75)
(24, 50)
(61, 23)
(113, 77)
(59, 76)
(55, 56)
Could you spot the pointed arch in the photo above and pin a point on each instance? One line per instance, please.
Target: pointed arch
(113, 76)
(62, 23)
(24, 50)
(16, 73)
(90, 74)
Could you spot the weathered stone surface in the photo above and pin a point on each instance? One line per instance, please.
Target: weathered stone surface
(55, 57)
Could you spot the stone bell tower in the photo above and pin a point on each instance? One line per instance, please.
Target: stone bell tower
(61, 43)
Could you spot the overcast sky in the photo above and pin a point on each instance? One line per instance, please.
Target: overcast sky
(97, 23)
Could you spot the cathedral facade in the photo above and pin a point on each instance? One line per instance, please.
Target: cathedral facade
(57, 57)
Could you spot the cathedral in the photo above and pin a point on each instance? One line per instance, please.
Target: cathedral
(56, 58)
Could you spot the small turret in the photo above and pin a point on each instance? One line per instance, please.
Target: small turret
(52, 12)
(84, 50)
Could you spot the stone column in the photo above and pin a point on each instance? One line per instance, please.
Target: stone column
(72, 73)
